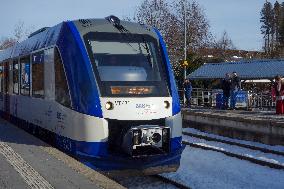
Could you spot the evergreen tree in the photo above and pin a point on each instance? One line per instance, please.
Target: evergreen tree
(267, 23)
(281, 31)
(276, 25)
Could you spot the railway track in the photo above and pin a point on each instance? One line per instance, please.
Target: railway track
(235, 155)
(151, 182)
(172, 182)
(265, 150)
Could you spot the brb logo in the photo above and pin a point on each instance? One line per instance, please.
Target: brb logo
(143, 106)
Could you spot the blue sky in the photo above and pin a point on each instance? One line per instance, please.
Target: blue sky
(41, 13)
(240, 18)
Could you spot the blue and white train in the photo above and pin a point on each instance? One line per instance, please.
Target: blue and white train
(102, 90)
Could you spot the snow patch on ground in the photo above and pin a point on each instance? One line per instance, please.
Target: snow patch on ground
(237, 150)
(203, 169)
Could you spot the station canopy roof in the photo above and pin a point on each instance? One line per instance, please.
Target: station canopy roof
(247, 70)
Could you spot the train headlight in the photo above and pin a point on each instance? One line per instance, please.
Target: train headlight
(166, 104)
(109, 106)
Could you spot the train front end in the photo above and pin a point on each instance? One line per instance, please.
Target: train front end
(137, 95)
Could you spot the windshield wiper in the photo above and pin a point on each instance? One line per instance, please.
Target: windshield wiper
(116, 23)
(146, 47)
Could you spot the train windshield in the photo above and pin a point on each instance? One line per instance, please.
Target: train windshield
(127, 64)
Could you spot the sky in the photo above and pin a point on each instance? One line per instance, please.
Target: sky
(239, 18)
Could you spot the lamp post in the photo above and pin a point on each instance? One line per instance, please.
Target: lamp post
(185, 47)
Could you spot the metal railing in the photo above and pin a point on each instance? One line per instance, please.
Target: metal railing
(208, 98)
(261, 100)
(199, 97)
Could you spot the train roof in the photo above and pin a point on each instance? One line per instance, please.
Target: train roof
(48, 37)
(101, 25)
(41, 40)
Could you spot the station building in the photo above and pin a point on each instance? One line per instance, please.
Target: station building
(256, 75)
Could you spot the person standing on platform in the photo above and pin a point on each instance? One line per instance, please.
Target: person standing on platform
(279, 93)
(234, 88)
(226, 84)
(187, 91)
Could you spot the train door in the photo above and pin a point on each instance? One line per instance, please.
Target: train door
(6, 90)
(49, 88)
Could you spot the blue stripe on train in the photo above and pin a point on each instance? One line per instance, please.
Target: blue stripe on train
(95, 154)
(100, 148)
(175, 104)
(115, 162)
(78, 69)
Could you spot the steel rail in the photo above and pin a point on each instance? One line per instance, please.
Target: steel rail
(265, 150)
(173, 182)
(242, 157)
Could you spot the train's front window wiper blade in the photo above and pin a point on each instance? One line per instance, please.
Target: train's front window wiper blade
(116, 23)
(146, 47)
(126, 33)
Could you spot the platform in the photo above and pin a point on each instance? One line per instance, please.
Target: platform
(27, 162)
(257, 125)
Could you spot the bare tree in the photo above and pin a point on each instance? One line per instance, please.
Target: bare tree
(222, 45)
(169, 19)
(225, 42)
(20, 33)
(198, 34)
(155, 13)
(6, 43)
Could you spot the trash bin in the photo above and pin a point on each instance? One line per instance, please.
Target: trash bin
(242, 99)
(219, 100)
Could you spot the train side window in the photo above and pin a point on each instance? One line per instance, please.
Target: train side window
(25, 75)
(38, 75)
(1, 78)
(15, 77)
(6, 77)
(61, 88)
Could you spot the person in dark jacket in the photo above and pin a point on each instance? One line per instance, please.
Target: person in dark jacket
(234, 88)
(279, 93)
(187, 91)
(226, 86)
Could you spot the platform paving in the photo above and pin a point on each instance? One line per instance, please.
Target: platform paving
(7, 176)
(257, 125)
(27, 162)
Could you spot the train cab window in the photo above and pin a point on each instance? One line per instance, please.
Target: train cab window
(38, 75)
(61, 88)
(127, 64)
(15, 77)
(1, 79)
(25, 75)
